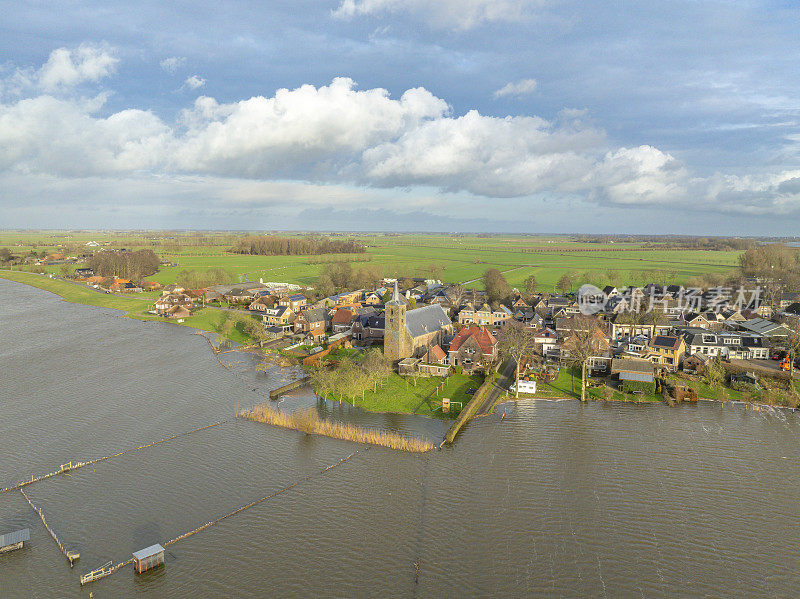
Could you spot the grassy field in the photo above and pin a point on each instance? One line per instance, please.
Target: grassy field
(462, 259)
(400, 395)
(568, 384)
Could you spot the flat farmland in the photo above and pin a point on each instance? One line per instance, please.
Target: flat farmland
(456, 259)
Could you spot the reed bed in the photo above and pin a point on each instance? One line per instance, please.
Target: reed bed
(309, 422)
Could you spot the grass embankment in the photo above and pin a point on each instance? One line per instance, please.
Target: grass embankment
(76, 293)
(470, 409)
(309, 422)
(206, 319)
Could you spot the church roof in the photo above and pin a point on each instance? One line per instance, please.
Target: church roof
(428, 319)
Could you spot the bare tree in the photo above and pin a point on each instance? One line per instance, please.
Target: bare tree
(516, 341)
(587, 339)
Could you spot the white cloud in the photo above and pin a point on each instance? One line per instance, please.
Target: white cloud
(451, 14)
(307, 131)
(172, 64)
(195, 82)
(520, 88)
(66, 68)
(339, 135)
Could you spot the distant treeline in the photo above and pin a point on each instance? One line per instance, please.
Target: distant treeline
(674, 241)
(263, 245)
(126, 265)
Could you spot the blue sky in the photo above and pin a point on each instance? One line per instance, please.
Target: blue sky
(472, 115)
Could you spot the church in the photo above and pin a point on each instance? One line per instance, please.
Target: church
(410, 333)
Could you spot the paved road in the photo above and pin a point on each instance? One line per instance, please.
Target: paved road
(769, 366)
(500, 386)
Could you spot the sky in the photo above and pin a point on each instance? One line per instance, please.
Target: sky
(528, 116)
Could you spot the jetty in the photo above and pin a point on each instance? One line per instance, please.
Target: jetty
(276, 393)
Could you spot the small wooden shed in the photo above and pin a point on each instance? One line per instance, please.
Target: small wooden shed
(14, 540)
(148, 558)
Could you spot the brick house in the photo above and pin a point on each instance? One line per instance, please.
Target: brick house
(281, 316)
(312, 323)
(165, 302)
(484, 315)
(472, 348)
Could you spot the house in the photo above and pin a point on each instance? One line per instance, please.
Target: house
(342, 321)
(700, 341)
(610, 291)
(369, 327)
(743, 345)
(294, 301)
(436, 355)
(473, 347)
(263, 302)
(169, 301)
(766, 328)
(568, 325)
(312, 323)
(621, 326)
(280, 316)
(172, 288)
(632, 369)
(88, 272)
(545, 339)
(787, 299)
(667, 351)
(484, 315)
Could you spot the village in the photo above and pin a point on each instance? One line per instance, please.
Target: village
(651, 343)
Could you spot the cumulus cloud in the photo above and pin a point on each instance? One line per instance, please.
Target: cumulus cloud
(69, 67)
(520, 88)
(455, 14)
(337, 134)
(172, 64)
(194, 82)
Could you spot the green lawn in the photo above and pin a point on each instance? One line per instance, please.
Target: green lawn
(568, 384)
(400, 395)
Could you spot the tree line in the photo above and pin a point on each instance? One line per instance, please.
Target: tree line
(126, 265)
(271, 245)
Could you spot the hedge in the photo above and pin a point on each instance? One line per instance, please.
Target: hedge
(646, 388)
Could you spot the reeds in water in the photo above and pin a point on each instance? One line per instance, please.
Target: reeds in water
(309, 422)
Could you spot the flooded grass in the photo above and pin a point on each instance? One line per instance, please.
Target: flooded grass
(309, 422)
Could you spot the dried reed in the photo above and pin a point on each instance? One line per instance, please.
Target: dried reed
(309, 422)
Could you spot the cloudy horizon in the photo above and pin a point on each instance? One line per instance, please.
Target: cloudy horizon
(519, 116)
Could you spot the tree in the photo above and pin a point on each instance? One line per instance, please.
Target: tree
(516, 342)
(530, 285)
(497, 288)
(564, 284)
(714, 374)
(325, 286)
(586, 339)
(376, 367)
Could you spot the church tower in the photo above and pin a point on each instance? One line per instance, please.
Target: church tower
(394, 335)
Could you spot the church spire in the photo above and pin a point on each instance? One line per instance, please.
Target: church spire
(395, 301)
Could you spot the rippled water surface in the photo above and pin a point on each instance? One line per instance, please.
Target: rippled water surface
(556, 499)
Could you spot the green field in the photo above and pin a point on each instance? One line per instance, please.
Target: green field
(462, 259)
(400, 395)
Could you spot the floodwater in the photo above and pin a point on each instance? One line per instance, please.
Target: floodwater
(556, 499)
